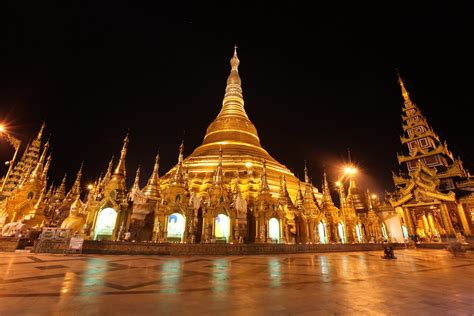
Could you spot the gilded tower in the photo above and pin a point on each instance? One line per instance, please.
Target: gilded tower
(432, 198)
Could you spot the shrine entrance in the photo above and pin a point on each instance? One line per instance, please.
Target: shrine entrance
(274, 230)
(322, 232)
(176, 225)
(222, 228)
(105, 224)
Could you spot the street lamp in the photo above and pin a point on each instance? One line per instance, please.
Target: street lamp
(16, 144)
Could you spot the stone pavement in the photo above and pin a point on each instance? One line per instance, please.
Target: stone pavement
(419, 282)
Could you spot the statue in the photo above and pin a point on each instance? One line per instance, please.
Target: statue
(207, 234)
(236, 232)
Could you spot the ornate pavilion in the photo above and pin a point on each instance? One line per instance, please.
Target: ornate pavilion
(435, 196)
(229, 189)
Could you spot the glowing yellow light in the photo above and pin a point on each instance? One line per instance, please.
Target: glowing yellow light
(338, 183)
(90, 187)
(350, 170)
(248, 164)
(2, 128)
(374, 196)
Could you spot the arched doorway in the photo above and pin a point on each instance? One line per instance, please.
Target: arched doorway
(359, 233)
(105, 224)
(222, 228)
(176, 225)
(274, 230)
(340, 229)
(322, 232)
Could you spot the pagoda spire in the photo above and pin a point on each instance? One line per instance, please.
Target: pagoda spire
(327, 199)
(108, 173)
(233, 103)
(120, 171)
(60, 192)
(299, 196)
(46, 167)
(152, 188)
(38, 171)
(179, 174)
(76, 187)
(306, 177)
(265, 188)
(40, 133)
(136, 183)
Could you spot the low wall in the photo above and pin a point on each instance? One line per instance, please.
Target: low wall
(150, 248)
(442, 245)
(10, 244)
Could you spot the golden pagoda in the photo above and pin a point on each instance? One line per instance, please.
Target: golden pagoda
(234, 133)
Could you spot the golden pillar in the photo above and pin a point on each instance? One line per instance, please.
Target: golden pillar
(408, 221)
(448, 226)
(426, 226)
(462, 216)
(431, 222)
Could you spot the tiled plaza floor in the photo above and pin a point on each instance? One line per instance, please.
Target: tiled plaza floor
(419, 282)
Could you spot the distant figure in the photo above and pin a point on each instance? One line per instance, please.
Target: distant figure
(388, 253)
(127, 235)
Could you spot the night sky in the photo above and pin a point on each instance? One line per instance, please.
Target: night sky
(316, 80)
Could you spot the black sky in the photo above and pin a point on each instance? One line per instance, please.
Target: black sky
(316, 80)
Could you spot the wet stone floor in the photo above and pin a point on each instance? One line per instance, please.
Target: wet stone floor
(418, 282)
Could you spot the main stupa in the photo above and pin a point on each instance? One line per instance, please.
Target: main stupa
(242, 154)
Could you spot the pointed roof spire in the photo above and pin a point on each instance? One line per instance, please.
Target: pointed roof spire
(40, 200)
(38, 171)
(152, 188)
(108, 173)
(306, 177)
(406, 96)
(283, 189)
(327, 199)
(61, 190)
(46, 167)
(49, 193)
(299, 196)
(179, 173)
(265, 188)
(136, 183)
(120, 169)
(76, 187)
(40, 133)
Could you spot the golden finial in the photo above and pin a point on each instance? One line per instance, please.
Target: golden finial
(152, 188)
(306, 177)
(120, 169)
(406, 97)
(136, 183)
(234, 61)
(40, 133)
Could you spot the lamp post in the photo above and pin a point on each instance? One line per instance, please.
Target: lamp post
(348, 171)
(16, 144)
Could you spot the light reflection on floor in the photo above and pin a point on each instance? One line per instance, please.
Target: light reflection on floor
(425, 282)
